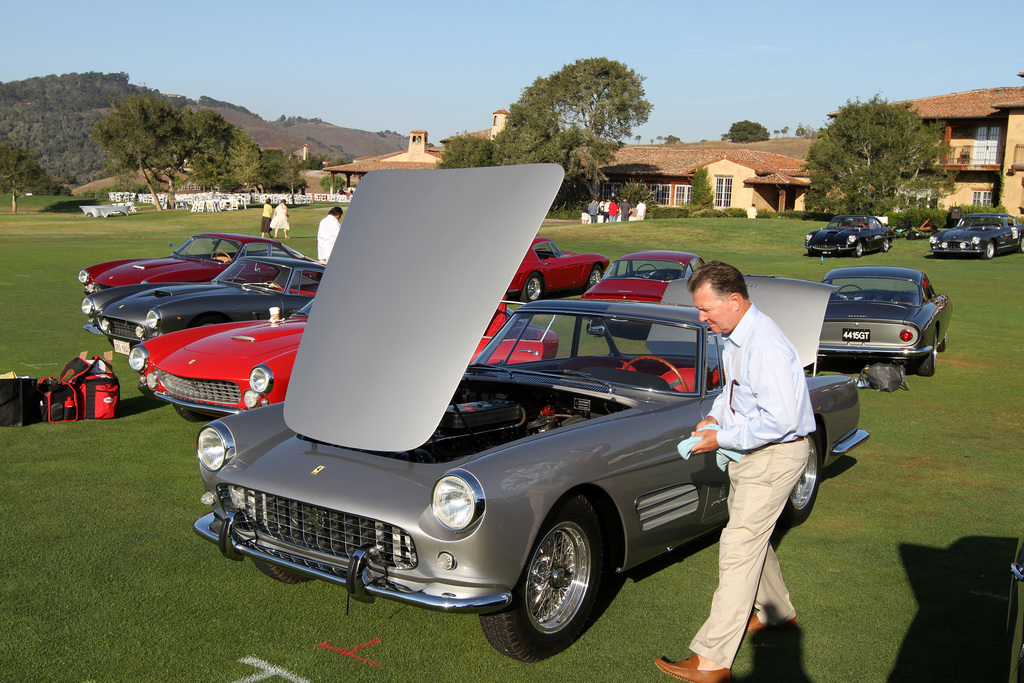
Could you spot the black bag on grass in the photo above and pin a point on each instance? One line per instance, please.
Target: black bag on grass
(18, 402)
(58, 401)
(884, 376)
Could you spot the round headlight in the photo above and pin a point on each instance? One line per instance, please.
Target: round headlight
(851, 239)
(140, 331)
(152, 381)
(152, 319)
(215, 446)
(975, 240)
(261, 379)
(104, 324)
(458, 500)
(933, 239)
(138, 358)
(250, 399)
(83, 276)
(809, 236)
(87, 306)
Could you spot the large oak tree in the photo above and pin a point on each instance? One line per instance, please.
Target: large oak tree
(19, 173)
(576, 117)
(145, 133)
(873, 157)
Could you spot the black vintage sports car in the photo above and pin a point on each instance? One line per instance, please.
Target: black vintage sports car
(853, 235)
(246, 290)
(883, 313)
(1015, 617)
(982, 234)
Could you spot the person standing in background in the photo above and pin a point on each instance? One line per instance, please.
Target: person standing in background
(268, 214)
(327, 232)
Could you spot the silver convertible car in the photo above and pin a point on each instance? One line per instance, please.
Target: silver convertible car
(507, 488)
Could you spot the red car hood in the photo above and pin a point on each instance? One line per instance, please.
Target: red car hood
(232, 353)
(165, 269)
(629, 288)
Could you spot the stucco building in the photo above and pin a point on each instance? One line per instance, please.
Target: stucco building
(418, 156)
(985, 131)
(740, 178)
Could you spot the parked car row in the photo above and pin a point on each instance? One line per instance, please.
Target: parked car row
(506, 488)
(976, 234)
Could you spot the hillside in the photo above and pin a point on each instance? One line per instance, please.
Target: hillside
(52, 116)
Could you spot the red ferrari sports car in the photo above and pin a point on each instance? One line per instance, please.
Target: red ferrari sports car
(200, 259)
(643, 275)
(547, 269)
(212, 371)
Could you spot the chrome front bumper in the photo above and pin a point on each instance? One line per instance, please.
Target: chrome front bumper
(846, 352)
(360, 580)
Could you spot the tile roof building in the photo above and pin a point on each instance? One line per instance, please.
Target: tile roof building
(985, 131)
(739, 177)
(418, 156)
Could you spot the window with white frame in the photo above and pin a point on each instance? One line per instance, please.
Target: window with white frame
(986, 145)
(723, 192)
(682, 195)
(610, 190)
(981, 198)
(662, 193)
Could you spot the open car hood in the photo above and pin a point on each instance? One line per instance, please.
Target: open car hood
(377, 367)
(796, 306)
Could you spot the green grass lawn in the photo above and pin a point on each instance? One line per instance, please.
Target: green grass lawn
(899, 575)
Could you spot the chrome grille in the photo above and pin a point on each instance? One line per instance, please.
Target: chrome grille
(122, 329)
(825, 247)
(204, 390)
(317, 529)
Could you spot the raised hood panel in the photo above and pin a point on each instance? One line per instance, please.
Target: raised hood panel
(796, 306)
(422, 261)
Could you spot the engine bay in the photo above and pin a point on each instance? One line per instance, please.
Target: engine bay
(483, 415)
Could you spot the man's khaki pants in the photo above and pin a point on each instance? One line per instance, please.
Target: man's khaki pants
(748, 570)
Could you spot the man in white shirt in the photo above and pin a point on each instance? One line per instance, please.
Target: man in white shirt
(327, 233)
(765, 413)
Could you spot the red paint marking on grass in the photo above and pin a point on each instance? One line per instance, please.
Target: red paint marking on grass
(352, 653)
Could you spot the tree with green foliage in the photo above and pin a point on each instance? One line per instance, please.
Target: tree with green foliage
(635, 193)
(701, 193)
(746, 131)
(576, 117)
(873, 157)
(671, 139)
(467, 151)
(147, 134)
(20, 173)
(245, 162)
(281, 171)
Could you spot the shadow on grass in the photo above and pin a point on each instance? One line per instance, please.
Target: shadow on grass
(138, 405)
(958, 633)
(69, 206)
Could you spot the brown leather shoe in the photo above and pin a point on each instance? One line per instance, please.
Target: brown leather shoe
(686, 670)
(755, 625)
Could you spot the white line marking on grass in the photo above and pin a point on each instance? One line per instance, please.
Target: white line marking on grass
(996, 596)
(267, 671)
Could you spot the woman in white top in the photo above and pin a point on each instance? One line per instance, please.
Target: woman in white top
(280, 220)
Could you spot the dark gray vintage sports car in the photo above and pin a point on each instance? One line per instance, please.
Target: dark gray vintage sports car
(508, 488)
(853, 235)
(883, 313)
(982, 234)
(246, 290)
(1015, 617)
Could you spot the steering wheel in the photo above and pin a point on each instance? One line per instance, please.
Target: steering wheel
(629, 366)
(646, 270)
(851, 287)
(222, 256)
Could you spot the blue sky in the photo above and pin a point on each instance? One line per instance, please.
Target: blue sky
(391, 64)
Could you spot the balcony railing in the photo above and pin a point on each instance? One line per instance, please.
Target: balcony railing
(969, 155)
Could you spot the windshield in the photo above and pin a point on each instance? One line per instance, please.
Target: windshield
(208, 249)
(875, 289)
(648, 269)
(628, 352)
(980, 223)
(255, 273)
(849, 223)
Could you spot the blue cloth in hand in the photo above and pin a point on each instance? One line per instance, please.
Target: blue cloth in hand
(722, 455)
